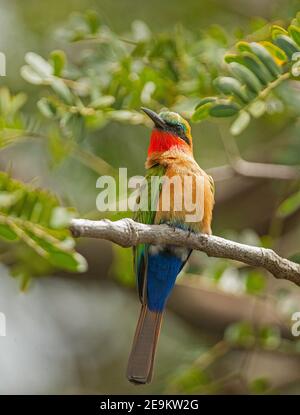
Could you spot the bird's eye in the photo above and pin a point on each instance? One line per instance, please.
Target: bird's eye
(176, 127)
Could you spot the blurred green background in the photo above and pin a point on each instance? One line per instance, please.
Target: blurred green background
(72, 333)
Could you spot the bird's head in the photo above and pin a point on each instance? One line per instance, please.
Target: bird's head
(170, 130)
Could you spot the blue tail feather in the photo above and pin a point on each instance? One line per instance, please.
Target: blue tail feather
(162, 271)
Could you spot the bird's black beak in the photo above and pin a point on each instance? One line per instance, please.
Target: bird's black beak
(158, 121)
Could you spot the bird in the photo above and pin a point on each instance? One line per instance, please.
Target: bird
(170, 154)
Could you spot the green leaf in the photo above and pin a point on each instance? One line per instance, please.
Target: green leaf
(231, 86)
(33, 220)
(62, 90)
(266, 58)
(46, 108)
(240, 123)
(279, 55)
(7, 233)
(246, 76)
(68, 261)
(296, 56)
(287, 44)
(296, 69)
(257, 108)
(39, 65)
(96, 121)
(257, 67)
(230, 57)
(270, 337)
(296, 20)
(60, 254)
(205, 101)
(16, 103)
(296, 66)
(294, 31)
(243, 46)
(289, 205)
(277, 30)
(103, 101)
(223, 110)
(9, 198)
(58, 61)
(93, 20)
(240, 334)
(31, 76)
(202, 112)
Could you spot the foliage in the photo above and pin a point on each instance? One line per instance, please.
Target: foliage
(33, 221)
(114, 75)
(257, 69)
(12, 122)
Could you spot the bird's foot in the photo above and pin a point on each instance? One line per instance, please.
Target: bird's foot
(171, 225)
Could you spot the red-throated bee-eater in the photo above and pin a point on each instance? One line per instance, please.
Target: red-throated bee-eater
(170, 154)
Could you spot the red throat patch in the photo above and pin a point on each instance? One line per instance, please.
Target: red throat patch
(162, 141)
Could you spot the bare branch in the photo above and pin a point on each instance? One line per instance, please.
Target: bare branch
(265, 170)
(253, 169)
(128, 233)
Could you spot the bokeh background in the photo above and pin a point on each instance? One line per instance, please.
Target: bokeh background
(72, 333)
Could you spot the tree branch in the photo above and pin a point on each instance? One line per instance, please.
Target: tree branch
(253, 169)
(128, 233)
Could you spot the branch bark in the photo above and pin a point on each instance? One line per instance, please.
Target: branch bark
(126, 232)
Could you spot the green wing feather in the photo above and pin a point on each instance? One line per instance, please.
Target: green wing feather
(147, 217)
